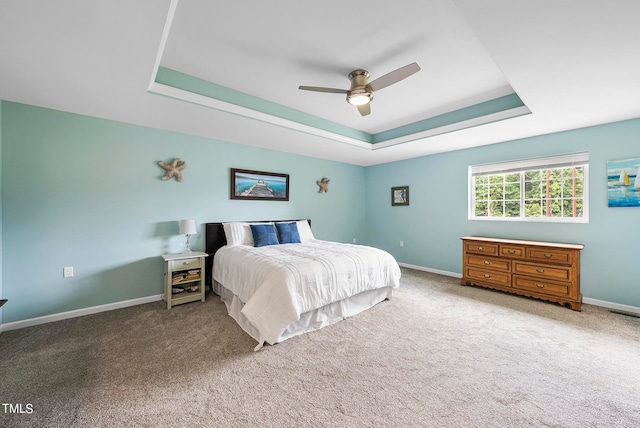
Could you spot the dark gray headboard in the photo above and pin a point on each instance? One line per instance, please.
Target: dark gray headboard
(215, 239)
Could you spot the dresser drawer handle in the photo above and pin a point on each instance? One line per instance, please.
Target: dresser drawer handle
(480, 248)
(539, 270)
(547, 255)
(487, 262)
(486, 275)
(511, 251)
(539, 285)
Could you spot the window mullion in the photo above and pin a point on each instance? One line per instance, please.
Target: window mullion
(522, 214)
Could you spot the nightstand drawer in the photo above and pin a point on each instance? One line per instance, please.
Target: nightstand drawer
(185, 263)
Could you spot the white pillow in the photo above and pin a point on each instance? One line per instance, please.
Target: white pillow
(304, 230)
(238, 233)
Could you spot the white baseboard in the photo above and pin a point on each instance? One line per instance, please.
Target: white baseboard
(425, 269)
(77, 313)
(611, 305)
(585, 300)
(111, 306)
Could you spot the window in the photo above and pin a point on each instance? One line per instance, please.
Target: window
(543, 189)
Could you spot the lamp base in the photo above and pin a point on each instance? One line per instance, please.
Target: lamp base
(187, 245)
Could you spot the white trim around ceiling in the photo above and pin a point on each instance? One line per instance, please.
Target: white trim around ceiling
(191, 97)
(163, 40)
(180, 94)
(469, 123)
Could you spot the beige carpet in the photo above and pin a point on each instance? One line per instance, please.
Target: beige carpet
(436, 355)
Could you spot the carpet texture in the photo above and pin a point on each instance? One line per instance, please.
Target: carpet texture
(436, 355)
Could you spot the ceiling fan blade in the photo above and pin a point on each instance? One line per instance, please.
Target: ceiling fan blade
(365, 109)
(318, 89)
(394, 77)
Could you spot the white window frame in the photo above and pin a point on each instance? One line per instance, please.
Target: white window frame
(521, 166)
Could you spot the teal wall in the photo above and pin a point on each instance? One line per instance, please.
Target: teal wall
(437, 215)
(86, 192)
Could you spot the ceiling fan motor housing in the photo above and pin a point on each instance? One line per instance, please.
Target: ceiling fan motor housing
(360, 92)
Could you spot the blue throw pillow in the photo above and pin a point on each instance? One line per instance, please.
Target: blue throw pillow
(288, 233)
(264, 234)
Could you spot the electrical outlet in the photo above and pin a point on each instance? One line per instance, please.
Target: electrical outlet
(354, 240)
(402, 243)
(67, 272)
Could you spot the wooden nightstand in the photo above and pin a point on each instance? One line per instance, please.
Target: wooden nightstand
(184, 277)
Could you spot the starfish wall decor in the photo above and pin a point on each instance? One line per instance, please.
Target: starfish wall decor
(173, 169)
(323, 184)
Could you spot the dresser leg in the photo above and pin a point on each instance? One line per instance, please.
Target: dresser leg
(573, 306)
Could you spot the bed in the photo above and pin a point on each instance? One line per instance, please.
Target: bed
(295, 283)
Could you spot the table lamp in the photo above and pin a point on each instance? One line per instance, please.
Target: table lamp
(188, 228)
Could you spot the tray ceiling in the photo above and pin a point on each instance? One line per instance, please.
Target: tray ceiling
(231, 72)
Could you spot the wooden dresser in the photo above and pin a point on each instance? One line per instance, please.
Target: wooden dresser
(544, 270)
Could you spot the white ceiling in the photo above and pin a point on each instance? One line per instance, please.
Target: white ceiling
(574, 63)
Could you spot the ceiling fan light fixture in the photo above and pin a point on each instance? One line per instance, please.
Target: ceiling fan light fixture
(361, 92)
(359, 99)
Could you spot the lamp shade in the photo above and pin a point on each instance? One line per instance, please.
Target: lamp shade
(188, 227)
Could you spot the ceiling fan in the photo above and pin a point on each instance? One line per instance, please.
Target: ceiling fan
(361, 92)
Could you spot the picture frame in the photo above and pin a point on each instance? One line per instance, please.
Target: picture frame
(623, 183)
(400, 195)
(259, 185)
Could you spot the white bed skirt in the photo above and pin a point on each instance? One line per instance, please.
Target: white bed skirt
(309, 321)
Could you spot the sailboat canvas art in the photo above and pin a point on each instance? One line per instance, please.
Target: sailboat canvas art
(623, 182)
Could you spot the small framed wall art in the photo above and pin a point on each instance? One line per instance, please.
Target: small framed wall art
(400, 195)
(259, 185)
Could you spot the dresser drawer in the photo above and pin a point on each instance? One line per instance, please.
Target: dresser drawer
(487, 248)
(540, 286)
(549, 254)
(185, 263)
(489, 262)
(560, 273)
(493, 277)
(513, 251)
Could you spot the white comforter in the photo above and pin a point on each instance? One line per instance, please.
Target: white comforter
(277, 283)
